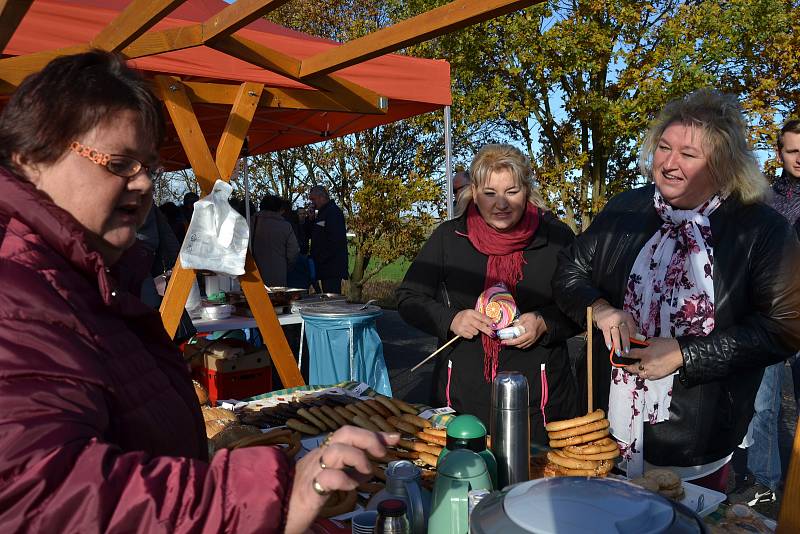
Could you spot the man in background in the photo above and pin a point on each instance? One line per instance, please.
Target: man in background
(758, 467)
(275, 247)
(187, 208)
(325, 224)
(460, 181)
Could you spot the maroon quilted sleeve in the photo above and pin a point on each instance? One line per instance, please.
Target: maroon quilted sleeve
(60, 470)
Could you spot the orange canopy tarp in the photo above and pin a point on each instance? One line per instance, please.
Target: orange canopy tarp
(412, 85)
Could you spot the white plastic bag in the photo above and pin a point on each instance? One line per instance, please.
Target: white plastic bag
(217, 236)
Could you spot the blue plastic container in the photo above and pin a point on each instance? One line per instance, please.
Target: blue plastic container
(344, 345)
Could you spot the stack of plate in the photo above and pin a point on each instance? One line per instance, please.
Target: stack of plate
(364, 522)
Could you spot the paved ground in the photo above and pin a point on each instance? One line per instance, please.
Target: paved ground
(405, 346)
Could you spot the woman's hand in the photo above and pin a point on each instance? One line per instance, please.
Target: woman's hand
(339, 464)
(617, 326)
(660, 358)
(534, 326)
(469, 323)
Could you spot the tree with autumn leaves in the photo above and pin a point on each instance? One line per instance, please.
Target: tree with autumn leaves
(576, 83)
(387, 180)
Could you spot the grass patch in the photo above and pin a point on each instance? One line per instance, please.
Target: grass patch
(394, 272)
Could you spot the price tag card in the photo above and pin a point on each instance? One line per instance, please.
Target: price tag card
(360, 389)
(427, 414)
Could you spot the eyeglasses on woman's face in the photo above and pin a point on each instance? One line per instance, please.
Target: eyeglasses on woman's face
(117, 164)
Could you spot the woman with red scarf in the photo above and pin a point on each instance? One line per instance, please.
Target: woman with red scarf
(503, 235)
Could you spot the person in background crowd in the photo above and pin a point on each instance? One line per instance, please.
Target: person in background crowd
(328, 240)
(789, 156)
(153, 255)
(503, 234)
(187, 208)
(175, 220)
(460, 183)
(298, 275)
(758, 467)
(274, 243)
(698, 264)
(101, 429)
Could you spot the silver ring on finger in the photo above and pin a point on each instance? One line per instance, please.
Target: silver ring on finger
(613, 326)
(318, 489)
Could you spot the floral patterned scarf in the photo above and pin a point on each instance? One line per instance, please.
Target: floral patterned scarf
(670, 293)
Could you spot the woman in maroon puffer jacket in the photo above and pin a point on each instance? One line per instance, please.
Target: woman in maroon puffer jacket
(100, 429)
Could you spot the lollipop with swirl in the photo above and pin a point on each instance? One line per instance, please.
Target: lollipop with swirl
(498, 303)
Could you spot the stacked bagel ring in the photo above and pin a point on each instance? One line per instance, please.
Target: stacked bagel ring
(581, 446)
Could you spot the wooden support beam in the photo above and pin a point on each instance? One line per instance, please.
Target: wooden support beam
(444, 19)
(159, 42)
(230, 144)
(789, 517)
(206, 171)
(258, 55)
(15, 69)
(238, 15)
(267, 321)
(138, 17)
(271, 97)
(351, 95)
(348, 94)
(191, 135)
(171, 309)
(11, 14)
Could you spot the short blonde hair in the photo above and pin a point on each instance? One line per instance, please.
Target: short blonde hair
(731, 161)
(494, 157)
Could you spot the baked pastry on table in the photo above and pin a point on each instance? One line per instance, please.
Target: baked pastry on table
(581, 447)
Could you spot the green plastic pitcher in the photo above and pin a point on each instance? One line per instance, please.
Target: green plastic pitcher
(459, 472)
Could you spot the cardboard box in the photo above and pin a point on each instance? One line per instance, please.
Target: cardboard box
(230, 368)
(234, 385)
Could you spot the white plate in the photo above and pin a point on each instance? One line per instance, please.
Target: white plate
(701, 500)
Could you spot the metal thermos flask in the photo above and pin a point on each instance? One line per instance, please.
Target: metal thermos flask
(510, 427)
(392, 518)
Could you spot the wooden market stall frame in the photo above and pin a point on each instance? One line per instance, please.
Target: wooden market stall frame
(129, 34)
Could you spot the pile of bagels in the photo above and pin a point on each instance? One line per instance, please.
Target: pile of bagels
(581, 446)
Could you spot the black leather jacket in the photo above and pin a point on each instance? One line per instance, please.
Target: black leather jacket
(757, 317)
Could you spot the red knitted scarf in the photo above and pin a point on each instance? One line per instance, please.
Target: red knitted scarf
(504, 265)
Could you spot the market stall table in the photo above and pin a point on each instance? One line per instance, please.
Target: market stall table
(238, 322)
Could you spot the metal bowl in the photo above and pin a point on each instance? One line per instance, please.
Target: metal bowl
(283, 296)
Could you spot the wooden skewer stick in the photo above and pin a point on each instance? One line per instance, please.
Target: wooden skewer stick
(589, 351)
(440, 349)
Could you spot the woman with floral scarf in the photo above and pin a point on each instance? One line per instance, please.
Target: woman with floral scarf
(706, 272)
